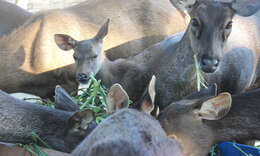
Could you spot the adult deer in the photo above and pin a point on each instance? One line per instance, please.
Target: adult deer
(11, 17)
(30, 52)
(228, 59)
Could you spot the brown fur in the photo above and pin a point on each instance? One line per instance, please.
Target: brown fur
(172, 60)
(197, 135)
(129, 132)
(30, 52)
(14, 150)
(61, 130)
(11, 17)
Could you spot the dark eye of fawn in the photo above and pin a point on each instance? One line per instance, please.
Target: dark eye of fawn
(229, 25)
(94, 57)
(195, 22)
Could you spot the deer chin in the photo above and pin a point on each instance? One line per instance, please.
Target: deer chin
(83, 86)
(209, 70)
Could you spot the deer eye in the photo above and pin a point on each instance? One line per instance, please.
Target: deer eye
(95, 56)
(229, 25)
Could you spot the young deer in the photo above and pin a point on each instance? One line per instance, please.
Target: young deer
(204, 119)
(226, 58)
(128, 132)
(90, 59)
(61, 130)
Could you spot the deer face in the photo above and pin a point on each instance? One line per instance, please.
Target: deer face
(88, 54)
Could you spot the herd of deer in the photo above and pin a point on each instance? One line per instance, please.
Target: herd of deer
(158, 74)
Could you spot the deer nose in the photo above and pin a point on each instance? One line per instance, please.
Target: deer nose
(82, 78)
(209, 65)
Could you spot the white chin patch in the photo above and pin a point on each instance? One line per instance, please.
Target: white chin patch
(82, 86)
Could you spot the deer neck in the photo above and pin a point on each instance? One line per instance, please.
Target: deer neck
(105, 73)
(178, 58)
(184, 45)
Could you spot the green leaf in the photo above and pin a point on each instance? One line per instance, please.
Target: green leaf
(36, 138)
(39, 150)
(200, 78)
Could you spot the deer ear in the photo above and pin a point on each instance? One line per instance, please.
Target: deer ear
(116, 99)
(65, 42)
(146, 103)
(81, 120)
(103, 31)
(246, 7)
(156, 111)
(215, 108)
(183, 5)
(64, 101)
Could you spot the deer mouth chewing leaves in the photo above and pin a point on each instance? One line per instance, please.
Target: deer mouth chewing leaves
(83, 86)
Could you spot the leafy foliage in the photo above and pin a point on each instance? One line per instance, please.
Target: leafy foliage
(33, 148)
(94, 98)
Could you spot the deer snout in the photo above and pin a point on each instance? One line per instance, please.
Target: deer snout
(209, 65)
(82, 78)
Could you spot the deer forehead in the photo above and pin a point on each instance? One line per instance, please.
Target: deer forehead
(209, 15)
(87, 47)
(213, 8)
